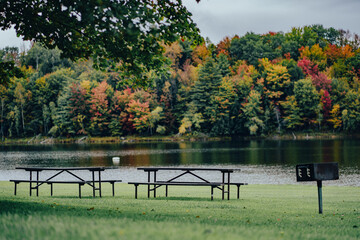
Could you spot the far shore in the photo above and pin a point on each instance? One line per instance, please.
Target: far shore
(174, 138)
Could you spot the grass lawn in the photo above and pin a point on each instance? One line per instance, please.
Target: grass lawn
(263, 212)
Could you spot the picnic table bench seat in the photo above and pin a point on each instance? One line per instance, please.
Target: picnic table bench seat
(51, 182)
(177, 183)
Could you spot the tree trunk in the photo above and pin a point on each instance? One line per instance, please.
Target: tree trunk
(1, 120)
(22, 118)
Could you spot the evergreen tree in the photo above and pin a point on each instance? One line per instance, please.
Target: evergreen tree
(204, 91)
(60, 116)
(223, 65)
(252, 113)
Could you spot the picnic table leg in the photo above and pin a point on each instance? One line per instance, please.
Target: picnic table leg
(155, 185)
(238, 191)
(136, 186)
(223, 185)
(99, 183)
(93, 180)
(51, 189)
(228, 186)
(16, 183)
(37, 183)
(79, 190)
(212, 193)
(149, 184)
(166, 190)
(30, 182)
(113, 188)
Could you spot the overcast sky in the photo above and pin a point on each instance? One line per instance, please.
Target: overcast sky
(220, 18)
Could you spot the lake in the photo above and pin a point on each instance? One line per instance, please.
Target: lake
(261, 161)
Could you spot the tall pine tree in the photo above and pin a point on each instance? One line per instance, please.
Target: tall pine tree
(205, 89)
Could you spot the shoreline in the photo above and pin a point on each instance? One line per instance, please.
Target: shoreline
(175, 138)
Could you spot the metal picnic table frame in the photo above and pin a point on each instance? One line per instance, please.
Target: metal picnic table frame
(59, 170)
(190, 170)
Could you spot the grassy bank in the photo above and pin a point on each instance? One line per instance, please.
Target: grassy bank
(263, 212)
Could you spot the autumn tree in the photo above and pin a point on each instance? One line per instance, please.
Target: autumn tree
(315, 54)
(308, 101)
(276, 80)
(140, 114)
(335, 117)
(120, 119)
(224, 103)
(335, 53)
(199, 54)
(79, 108)
(174, 53)
(99, 109)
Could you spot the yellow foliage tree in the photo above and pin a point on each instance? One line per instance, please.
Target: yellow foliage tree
(335, 118)
(314, 54)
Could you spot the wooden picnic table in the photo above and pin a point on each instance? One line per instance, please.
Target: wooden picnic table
(194, 171)
(35, 181)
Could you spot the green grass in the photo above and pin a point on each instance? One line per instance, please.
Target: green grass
(263, 212)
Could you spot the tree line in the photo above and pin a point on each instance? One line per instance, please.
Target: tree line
(258, 84)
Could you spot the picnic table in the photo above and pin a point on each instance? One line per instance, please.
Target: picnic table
(153, 183)
(35, 182)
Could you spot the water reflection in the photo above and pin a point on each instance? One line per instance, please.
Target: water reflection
(262, 152)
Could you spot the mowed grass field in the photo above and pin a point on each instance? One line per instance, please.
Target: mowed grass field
(262, 212)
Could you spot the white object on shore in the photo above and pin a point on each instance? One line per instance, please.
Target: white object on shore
(116, 160)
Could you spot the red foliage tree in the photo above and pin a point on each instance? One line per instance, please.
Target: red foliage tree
(321, 82)
(99, 109)
(78, 107)
(326, 104)
(120, 117)
(308, 67)
(334, 53)
(223, 47)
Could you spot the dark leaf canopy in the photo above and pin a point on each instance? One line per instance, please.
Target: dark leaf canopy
(109, 31)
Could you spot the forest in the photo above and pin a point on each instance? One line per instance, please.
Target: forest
(304, 80)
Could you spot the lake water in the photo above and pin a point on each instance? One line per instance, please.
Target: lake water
(260, 161)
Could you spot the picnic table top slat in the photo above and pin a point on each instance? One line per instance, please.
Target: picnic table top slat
(62, 168)
(188, 169)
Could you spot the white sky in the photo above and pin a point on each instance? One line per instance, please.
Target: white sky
(9, 38)
(220, 18)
